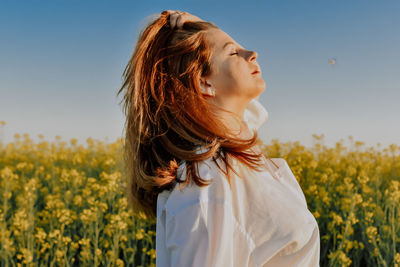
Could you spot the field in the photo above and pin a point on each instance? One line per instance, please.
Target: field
(62, 204)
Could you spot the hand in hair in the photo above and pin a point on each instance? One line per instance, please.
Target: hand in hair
(178, 18)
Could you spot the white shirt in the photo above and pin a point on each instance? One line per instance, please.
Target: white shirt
(261, 222)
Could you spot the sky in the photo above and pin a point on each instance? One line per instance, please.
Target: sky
(61, 65)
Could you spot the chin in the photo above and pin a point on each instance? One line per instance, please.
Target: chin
(262, 88)
(256, 94)
(257, 90)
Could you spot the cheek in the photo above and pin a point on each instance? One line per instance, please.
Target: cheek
(229, 80)
(233, 74)
(238, 77)
(224, 77)
(231, 77)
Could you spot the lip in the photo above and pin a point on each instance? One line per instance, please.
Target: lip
(255, 72)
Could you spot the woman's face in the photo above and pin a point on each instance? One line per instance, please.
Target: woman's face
(232, 70)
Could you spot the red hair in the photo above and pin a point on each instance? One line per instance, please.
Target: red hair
(167, 117)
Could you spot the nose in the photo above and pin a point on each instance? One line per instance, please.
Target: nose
(253, 55)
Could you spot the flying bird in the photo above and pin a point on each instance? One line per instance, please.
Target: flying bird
(332, 61)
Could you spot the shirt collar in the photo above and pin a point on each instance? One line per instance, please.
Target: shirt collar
(255, 114)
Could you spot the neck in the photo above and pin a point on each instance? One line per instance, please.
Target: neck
(235, 122)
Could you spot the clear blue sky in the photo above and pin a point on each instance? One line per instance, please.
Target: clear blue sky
(61, 64)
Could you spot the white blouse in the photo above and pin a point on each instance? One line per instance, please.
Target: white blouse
(263, 221)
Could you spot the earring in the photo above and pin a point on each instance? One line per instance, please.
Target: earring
(212, 91)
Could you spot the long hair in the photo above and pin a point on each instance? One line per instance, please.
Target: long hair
(167, 117)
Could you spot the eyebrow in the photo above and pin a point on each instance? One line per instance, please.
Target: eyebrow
(227, 44)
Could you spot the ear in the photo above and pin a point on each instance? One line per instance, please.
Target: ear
(205, 87)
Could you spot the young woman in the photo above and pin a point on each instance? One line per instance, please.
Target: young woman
(192, 114)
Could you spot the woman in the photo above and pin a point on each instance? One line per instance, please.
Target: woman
(192, 117)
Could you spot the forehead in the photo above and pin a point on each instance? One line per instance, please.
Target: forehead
(217, 39)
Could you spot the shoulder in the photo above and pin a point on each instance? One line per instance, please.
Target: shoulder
(281, 168)
(218, 191)
(280, 162)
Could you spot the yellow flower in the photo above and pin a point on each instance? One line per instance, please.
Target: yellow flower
(369, 216)
(73, 141)
(88, 216)
(65, 216)
(344, 260)
(45, 246)
(139, 236)
(363, 179)
(352, 218)
(98, 252)
(28, 256)
(7, 244)
(85, 254)
(316, 214)
(110, 253)
(119, 263)
(117, 222)
(59, 253)
(103, 206)
(84, 242)
(397, 258)
(152, 253)
(41, 234)
(324, 178)
(348, 245)
(123, 238)
(351, 171)
(375, 252)
(66, 240)
(372, 232)
(357, 198)
(21, 220)
(77, 200)
(336, 218)
(55, 234)
(74, 245)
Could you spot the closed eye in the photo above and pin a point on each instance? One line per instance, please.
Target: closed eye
(234, 53)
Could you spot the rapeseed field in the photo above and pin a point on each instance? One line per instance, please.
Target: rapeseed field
(63, 204)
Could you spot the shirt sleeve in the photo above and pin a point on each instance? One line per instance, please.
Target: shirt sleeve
(202, 235)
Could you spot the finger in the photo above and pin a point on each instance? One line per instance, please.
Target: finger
(174, 16)
(172, 20)
(177, 16)
(170, 11)
(171, 14)
(180, 21)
